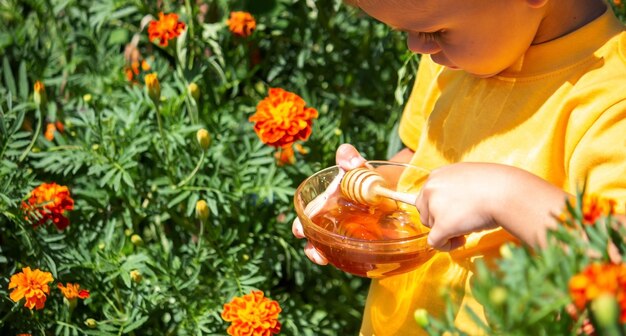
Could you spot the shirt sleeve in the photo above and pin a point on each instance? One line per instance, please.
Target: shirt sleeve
(599, 157)
(417, 108)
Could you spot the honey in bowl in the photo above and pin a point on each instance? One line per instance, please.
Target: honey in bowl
(386, 222)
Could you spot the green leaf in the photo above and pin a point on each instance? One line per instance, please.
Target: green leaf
(23, 81)
(9, 81)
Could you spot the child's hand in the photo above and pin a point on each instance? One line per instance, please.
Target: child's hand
(470, 197)
(347, 157)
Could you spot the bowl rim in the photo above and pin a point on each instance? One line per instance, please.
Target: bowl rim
(356, 242)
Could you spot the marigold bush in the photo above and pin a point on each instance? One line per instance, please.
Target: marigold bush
(149, 152)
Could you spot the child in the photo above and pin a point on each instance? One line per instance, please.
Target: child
(515, 103)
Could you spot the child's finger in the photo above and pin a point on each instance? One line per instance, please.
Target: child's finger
(314, 255)
(348, 157)
(296, 228)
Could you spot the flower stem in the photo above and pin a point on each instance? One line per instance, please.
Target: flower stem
(193, 173)
(164, 142)
(35, 135)
(13, 310)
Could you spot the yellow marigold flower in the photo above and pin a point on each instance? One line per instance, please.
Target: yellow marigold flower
(50, 200)
(153, 87)
(72, 291)
(241, 24)
(166, 28)
(32, 285)
(252, 314)
(599, 279)
(282, 118)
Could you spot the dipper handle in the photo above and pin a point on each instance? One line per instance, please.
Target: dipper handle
(367, 187)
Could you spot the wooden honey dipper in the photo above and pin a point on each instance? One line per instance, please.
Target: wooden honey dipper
(368, 187)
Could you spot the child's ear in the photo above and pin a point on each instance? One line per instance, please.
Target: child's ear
(536, 3)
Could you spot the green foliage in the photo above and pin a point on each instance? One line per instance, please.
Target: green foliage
(134, 169)
(527, 292)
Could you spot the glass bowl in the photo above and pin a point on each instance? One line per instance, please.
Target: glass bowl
(391, 250)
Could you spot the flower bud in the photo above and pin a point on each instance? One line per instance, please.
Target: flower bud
(194, 90)
(204, 138)
(505, 251)
(153, 87)
(40, 94)
(605, 311)
(128, 232)
(87, 97)
(91, 323)
(101, 246)
(136, 276)
(202, 210)
(70, 303)
(498, 295)
(421, 317)
(136, 240)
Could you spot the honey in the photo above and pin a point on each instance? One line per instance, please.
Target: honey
(384, 223)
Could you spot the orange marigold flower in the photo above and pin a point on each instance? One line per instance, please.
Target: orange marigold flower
(285, 156)
(32, 285)
(282, 118)
(50, 200)
(595, 207)
(145, 66)
(166, 28)
(599, 279)
(241, 23)
(72, 291)
(50, 129)
(252, 315)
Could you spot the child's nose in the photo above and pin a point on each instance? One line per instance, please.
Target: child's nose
(419, 43)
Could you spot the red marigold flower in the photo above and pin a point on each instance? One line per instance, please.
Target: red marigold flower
(32, 285)
(252, 315)
(50, 200)
(599, 279)
(166, 28)
(595, 207)
(282, 118)
(72, 291)
(241, 23)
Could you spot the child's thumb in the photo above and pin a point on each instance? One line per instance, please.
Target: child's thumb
(348, 157)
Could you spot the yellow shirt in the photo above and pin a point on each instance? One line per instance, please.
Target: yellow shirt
(559, 112)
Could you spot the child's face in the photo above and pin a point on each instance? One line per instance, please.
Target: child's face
(482, 37)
